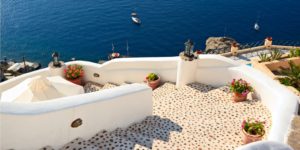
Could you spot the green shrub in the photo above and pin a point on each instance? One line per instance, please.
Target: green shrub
(294, 52)
(152, 77)
(292, 76)
(264, 57)
(275, 55)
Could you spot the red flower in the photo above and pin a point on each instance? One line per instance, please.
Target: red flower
(198, 52)
(232, 82)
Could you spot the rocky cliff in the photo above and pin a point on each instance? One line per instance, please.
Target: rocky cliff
(217, 45)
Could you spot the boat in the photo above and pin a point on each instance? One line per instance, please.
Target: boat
(114, 54)
(135, 18)
(256, 26)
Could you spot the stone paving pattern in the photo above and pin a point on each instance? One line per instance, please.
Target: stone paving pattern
(294, 134)
(195, 117)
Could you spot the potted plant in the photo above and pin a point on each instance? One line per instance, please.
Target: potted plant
(153, 80)
(197, 53)
(240, 89)
(291, 76)
(253, 130)
(74, 74)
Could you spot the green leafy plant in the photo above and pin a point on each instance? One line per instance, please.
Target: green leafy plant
(254, 127)
(275, 55)
(152, 77)
(292, 76)
(73, 71)
(294, 52)
(240, 86)
(264, 57)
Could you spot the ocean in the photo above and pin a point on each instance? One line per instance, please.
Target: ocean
(86, 29)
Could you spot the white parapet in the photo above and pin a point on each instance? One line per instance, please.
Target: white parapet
(43, 123)
(29, 126)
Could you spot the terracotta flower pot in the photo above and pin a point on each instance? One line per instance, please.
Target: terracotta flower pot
(77, 81)
(238, 97)
(248, 138)
(154, 84)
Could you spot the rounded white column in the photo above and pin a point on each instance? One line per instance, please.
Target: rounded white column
(56, 71)
(186, 72)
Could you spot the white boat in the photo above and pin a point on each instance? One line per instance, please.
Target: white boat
(135, 18)
(114, 54)
(256, 26)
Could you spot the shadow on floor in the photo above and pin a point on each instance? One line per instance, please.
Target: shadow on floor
(153, 127)
(143, 133)
(203, 88)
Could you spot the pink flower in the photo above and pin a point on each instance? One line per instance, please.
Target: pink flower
(243, 124)
(233, 81)
(245, 93)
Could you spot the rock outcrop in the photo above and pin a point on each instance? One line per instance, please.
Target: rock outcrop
(217, 45)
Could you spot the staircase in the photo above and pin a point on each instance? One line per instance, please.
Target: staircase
(94, 87)
(196, 116)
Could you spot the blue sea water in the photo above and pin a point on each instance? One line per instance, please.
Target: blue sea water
(85, 29)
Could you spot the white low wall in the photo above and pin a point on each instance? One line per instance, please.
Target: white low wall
(130, 69)
(211, 69)
(281, 102)
(116, 71)
(34, 125)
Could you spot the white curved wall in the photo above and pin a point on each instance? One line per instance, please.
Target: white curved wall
(281, 102)
(34, 125)
(211, 69)
(130, 69)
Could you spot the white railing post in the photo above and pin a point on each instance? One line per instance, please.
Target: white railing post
(268, 42)
(234, 49)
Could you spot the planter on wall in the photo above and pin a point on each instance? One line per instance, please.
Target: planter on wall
(268, 67)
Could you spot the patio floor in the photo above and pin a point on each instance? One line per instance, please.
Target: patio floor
(196, 116)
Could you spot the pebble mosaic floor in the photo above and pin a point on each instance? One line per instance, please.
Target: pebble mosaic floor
(195, 117)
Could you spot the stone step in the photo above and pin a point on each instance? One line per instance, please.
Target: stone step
(143, 141)
(92, 87)
(149, 131)
(79, 143)
(99, 137)
(109, 85)
(163, 123)
(47, 148)
(294, 133)
(110, 141)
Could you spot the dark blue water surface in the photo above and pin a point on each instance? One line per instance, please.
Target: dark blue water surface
(85, 29)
